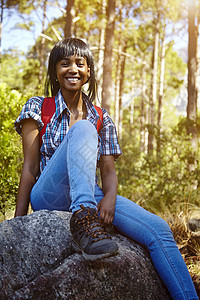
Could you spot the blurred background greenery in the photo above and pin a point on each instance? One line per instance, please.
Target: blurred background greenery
(145, 82)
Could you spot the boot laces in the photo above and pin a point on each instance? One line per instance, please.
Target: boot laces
(91, 224)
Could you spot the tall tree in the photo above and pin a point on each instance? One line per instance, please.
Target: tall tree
(121, 86)
(192, 72)
(153, 90)
(107, 65)
(123, 36)
(1, 27)
(118, 73)
(68, 31)
(161, 90)
(42, 47)
(101, 47)
(143, 133)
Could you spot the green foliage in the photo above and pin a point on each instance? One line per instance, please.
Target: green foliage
(11, 65)
(20, 73)
(160, 184)
(175, 70)
(26, 26)
(10, 149)
(23, 6)
(154, 183)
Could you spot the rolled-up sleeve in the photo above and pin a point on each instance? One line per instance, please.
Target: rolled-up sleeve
(30, 110)
(109, 144)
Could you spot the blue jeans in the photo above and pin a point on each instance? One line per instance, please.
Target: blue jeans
(68, 181)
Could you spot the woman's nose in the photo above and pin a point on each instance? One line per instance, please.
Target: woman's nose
(73, 68)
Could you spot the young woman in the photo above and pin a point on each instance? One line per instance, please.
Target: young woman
(59, 174)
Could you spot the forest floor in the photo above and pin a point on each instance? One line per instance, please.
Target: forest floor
(188, 244)
(193, 264)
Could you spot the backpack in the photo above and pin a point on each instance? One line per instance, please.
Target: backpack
(49, 108)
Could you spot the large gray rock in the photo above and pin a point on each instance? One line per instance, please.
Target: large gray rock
(37, 262)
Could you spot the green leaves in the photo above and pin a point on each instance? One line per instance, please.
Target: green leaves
(10, 148)
(26, 26)
(164, 184)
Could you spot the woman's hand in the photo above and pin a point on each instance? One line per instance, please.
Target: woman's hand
(106, 206)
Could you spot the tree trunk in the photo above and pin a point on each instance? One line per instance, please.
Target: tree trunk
(107, 65)
(121, 85)
(68, 31)
(117, 78)
(118, 73)
(42, 49)
(153, 91)
(117, 84)
(161, 89)
(132, 107)
(101, 50)
(143, 133)
(192, 74)
(1, 26)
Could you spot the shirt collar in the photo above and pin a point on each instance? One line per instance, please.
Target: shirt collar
(91, 111)
(61, 106)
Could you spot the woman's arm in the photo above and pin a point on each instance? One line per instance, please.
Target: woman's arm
(31, 144)
(109, 185)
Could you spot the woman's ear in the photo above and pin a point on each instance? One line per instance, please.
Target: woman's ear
(88, 72)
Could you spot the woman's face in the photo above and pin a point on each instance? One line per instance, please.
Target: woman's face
(72, 73)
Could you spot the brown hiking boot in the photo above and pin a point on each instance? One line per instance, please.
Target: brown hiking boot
(89, 236)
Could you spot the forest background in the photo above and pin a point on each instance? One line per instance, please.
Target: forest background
(150, 90)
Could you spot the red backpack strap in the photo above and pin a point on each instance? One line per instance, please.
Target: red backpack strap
(48, 109)
(100, 119)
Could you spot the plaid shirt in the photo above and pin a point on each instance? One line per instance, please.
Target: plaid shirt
(59, 126)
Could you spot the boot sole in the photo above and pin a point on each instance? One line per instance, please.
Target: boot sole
(92, 257)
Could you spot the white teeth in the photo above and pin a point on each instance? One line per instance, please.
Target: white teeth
(72, 79)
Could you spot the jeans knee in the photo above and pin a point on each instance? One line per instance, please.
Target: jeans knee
(162, 232)
(85, 125)
(85, 128)
(160, 225)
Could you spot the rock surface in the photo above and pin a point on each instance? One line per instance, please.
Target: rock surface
(194, 225)
(37, 262)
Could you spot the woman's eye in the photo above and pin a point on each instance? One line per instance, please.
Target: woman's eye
(64, 64)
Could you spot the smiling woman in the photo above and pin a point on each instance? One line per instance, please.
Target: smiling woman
(61, 173)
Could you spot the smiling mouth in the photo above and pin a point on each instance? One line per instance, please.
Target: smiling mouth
(73, 80)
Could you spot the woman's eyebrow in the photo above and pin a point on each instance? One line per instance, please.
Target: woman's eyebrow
(65, 58)
(77, 58)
